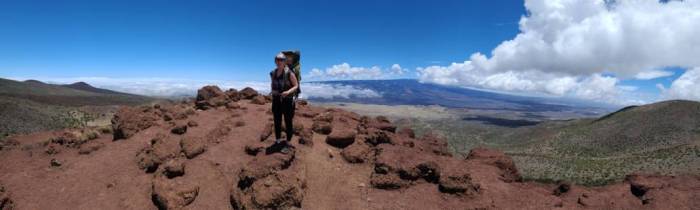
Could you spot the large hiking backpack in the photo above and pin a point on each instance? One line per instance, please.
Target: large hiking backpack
(295, 66)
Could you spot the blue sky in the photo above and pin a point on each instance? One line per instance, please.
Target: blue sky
(237, 39)
(559, 48)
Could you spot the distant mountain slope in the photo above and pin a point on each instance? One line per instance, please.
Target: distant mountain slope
(663, 137)
(77, 94)
(32, 106)
(412, 92)
(89, 88)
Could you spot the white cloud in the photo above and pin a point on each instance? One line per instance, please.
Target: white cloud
(685, 87)
(397, 70)
(565, 46)
(345, 71)
(329, 91)
(175, 87)
(652, 74)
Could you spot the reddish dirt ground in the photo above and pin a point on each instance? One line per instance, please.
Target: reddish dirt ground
(360, 163)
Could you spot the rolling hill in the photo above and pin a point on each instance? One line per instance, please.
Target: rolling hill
(32, 106)
(663, 137)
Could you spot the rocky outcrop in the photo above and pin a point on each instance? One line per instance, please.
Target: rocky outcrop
(210, 96)
(129, 121)
(193, 146)
(248, 93)
(341, 138)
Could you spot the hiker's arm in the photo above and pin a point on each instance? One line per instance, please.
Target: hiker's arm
(295, 85)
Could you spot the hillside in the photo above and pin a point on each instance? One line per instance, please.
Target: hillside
(663, 137)
(33, 106)
(77, 94)
(169, 156)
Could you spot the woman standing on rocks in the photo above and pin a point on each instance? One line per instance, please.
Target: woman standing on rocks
(283, 88)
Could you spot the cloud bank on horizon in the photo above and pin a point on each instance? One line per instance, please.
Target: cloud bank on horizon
(584, 48)
(172, 87)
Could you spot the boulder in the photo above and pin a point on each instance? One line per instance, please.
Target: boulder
(357, 153)
(259, 100)
(248, 93)
(233, 105)
(267, 131)
(232, 94)
(179, 129)
(129, 121)
(262, 166)
(276, 191)
(172, 193)
(457, 181)
(193, 146)
(509, 173)
(173, 168)
(435, 144)
(160, 149)
(387, 181)
(341, 138)
(379, 122)
(306, 137)
(375, 137)
(192, 123)
(322, 127)
(210, 97)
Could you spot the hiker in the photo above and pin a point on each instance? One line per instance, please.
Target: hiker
(283, 86)
(294, 64)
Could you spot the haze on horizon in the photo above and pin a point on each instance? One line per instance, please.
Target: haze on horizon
(617, 52)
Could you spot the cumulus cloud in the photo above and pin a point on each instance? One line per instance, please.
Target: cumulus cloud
(685, 87)
(565, 46)
(652, 74)
(397, 70)
(345, 71)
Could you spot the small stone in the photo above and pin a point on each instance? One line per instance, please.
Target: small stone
(55, 163)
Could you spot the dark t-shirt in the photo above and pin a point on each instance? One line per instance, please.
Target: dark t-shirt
(282, 82)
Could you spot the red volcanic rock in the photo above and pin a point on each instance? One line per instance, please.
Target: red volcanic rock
(276, 191)
(129, 121)
(435, 144)
(457, 180)
(306, 137)
(179, 129)
(387, 181)
(379, 122)
(267, 131)
(375, 137)
(322, 127)
(357, 153)
(248, 93)
(193, 146)
(173, 168)
(5, 200)
(209, 97)
(232, 94)
(496, 158)
(160, 149)
(407, 132)
(259, 100)
(262, 166)
(173, 193)
(341, 138)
